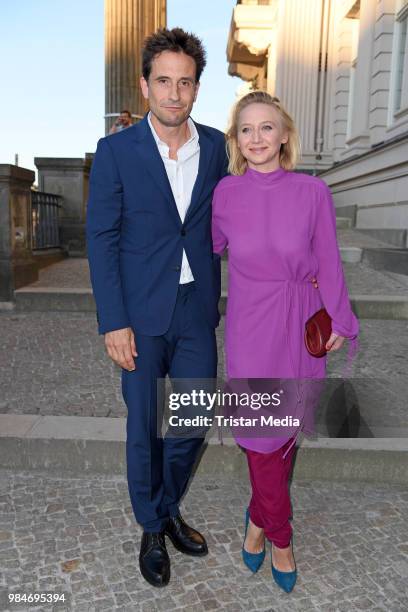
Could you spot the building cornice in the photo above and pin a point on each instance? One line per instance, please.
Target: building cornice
(62, 163)
(373, 152)
(249, 38)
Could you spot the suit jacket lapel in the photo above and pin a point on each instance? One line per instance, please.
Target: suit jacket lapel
(206, 151)
(149, 153)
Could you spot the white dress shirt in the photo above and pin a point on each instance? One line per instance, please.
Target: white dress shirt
(182, 174)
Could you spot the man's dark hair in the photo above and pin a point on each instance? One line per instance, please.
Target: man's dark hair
(173, 40)
(127, 112)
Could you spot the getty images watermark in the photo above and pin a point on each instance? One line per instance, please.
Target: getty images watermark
(222, 399)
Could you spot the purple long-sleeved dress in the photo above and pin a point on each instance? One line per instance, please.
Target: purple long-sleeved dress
(280, 230)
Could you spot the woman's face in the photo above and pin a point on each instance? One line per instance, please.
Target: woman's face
(260, 135)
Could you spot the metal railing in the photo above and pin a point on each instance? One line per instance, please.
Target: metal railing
(45, 226)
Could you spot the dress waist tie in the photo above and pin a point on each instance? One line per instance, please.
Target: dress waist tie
(289, 287)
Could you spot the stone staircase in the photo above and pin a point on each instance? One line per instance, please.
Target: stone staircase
(381, 248)
(377, 280)
(376, 449)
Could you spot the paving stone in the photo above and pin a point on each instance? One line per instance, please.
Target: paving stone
(376, 385)
(343, 563)
(351, 544)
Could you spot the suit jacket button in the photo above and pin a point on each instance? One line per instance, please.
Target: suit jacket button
(183, 232)
(177, 268)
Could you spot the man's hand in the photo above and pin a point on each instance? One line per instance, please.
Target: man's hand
(334, 343)
(121, 347)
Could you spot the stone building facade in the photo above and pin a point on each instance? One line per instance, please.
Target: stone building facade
(341, 69)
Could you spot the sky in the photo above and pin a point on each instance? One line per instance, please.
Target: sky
(52, 73)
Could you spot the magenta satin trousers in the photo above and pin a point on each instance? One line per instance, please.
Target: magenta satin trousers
(270, 506)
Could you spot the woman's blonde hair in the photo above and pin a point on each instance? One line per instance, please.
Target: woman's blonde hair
(289, 151)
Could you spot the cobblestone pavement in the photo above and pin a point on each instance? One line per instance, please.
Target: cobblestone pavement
(79, 537)
(70, 272)
(55, 363)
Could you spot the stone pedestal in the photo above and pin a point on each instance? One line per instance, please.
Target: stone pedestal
(17, 267)
(68, 177)
(127, 23)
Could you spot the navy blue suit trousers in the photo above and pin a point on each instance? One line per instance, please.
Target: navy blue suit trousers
(159, 468)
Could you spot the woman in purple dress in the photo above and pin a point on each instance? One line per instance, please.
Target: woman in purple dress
(280, 230)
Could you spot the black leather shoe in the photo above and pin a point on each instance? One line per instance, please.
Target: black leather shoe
(186, 539)
(154, 561)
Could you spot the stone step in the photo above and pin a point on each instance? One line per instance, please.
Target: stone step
(82, 300)
(380, 306)
(396, 237)
(343, 223)
(352, 237)
(62, 299)
(81, 445)
(348, 212)
(393, 259)
(351, 254)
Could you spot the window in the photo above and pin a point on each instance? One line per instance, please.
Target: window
(400, 60)
(355, 30)
(399, 87)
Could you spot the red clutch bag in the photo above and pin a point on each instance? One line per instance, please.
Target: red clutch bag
(318, 330)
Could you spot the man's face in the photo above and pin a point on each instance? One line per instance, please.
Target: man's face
(124, 118)
(171, 88)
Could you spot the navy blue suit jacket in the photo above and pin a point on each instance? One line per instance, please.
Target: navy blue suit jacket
(135, 237)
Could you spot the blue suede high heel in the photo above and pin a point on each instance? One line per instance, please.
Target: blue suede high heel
(252, 560)
(285, 580)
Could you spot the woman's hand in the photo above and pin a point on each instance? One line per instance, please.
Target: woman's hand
(334, 343)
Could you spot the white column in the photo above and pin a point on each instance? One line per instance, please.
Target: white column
(271, 65)
(127, 23)
(299, 41)
(359, 137)
(381, 70)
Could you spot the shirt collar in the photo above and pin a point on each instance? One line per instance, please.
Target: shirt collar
(193, 140)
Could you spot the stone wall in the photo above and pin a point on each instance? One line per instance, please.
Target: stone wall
(68, 177)
(17, 267)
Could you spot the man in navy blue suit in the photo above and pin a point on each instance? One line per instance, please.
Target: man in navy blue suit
(155, 280)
